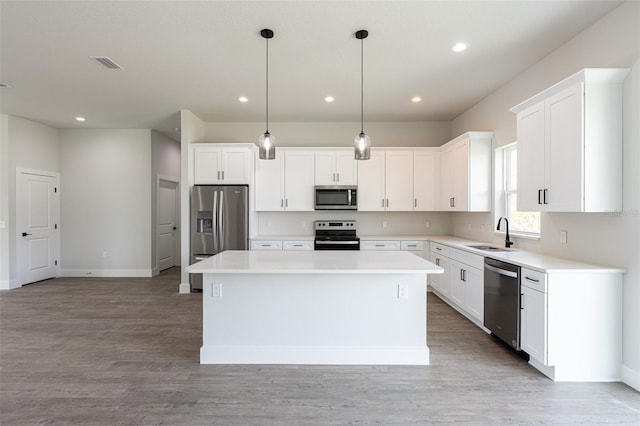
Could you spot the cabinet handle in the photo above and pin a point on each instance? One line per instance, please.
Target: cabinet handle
(337, 177)
(286, 202)
(415, 202)
(387, 203)
(218, 174)
(461, 274)
(545, 196)
(223, 175)
(281, 202)
(412, 245)
(521, 301)
(379, 245)
(531, 279)
(383, 202)
(297, 245)
(438, 248)
(437, 261)
(539, 196)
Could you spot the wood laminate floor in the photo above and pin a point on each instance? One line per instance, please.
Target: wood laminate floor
(126, 351)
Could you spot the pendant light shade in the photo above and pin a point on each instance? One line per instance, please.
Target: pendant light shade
(362, 144)
(266, 143)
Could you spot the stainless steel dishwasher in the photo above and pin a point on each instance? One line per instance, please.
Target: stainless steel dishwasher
(502, 300)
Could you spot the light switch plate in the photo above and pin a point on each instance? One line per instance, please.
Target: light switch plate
(563, 237)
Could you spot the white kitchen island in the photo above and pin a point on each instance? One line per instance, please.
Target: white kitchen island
(314, 307)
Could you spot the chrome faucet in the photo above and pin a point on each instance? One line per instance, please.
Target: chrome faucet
(507, 242)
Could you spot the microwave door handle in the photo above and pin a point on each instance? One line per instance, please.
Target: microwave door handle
(348, 197)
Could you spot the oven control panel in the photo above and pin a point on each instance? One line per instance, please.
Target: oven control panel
(335, 225)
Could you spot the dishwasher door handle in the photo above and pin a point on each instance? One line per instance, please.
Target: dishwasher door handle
(501, 271)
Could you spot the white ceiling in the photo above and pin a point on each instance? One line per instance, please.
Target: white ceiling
(203, 55)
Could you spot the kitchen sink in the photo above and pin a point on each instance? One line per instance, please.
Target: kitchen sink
(487, 248)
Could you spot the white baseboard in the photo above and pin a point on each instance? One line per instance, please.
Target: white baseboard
(314, 355)
(8, 284)
(107, 273)
(631, 377)
(184, 288)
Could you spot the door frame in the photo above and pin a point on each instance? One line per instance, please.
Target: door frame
(55, 212)
(156, 231)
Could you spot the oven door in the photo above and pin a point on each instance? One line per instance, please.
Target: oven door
(336, 243)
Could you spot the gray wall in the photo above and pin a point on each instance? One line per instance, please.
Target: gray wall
(609, 239)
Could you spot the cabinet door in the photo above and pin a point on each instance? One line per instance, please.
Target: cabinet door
(458, 289)
(206, 165)
(461, 176)
(269, 186)
(424, 181)
(441, 282)
(236, 165)
(325, 173)
(399, 181)
(533, 324)
(371, 183)
(564, 154)
(346, 168)
(299, 177)
(446, 180)
(474, 282)
(531, 158)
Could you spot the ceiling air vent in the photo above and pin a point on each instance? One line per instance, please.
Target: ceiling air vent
(106, 62)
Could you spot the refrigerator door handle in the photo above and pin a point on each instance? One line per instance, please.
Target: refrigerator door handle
(221, 221)
(214, 227)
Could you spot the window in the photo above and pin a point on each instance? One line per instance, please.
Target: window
(524, 223)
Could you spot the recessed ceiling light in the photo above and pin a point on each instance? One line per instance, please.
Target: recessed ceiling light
(243, 99)
(459, 47)
(329, 99)
(80, 118)
(416, 99)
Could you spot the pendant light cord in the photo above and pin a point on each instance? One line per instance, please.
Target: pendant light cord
(361, 85)
(267, 85)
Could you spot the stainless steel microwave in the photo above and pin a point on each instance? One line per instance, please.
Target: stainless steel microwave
(336, 197)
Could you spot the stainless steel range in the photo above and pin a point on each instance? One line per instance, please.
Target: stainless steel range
(336, 235)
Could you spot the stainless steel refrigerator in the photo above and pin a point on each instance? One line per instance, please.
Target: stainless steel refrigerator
(219, 221)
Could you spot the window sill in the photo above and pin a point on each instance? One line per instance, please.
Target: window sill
(522, 236)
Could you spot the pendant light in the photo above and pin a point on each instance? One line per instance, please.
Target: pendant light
(362, 142)
(266, 143)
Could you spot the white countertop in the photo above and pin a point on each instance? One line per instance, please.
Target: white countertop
(526, 259)
(315, 262)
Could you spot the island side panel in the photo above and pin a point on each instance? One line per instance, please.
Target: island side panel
(314, 319)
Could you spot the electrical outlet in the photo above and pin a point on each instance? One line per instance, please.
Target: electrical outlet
(563, 237)
(216, 290)
(403, 291)
(427, 224)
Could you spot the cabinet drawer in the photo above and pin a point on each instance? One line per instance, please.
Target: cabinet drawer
(534, 279)
(266, 245)
(412, 245)
(379, 245)
(297, 245)
(475, 260)
(440, 249)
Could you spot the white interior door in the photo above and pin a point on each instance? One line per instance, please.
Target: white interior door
(37, 212)
(167, 224)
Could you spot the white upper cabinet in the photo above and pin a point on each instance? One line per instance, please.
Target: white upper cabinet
(222, 164)
(385, 181)
(336, 167)
(465, 173)
(424, 180)
(570, 144)
(286, 183)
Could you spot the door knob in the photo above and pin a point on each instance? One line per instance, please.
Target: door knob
(174, 228)
(24, 234)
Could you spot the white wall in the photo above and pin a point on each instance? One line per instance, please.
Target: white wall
(433, 133)
(106, 205)
(23, 143)
(165, 163)
(610, 239)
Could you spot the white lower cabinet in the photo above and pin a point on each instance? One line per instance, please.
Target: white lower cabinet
(282, 245)
(533, 319)
(266, 245)
(462, 284)
(297, 245)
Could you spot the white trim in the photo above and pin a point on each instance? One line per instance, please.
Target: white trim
(631, 377)
(107, 273)
(184, 288)
(316, 355)
(8, 284)
(177, 256)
